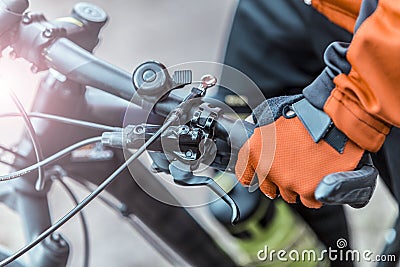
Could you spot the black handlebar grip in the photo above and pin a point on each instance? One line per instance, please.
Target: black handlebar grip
(237, 131)
(354, 188)
(10, 13)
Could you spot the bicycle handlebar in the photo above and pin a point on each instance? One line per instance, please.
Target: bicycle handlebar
(83, 67)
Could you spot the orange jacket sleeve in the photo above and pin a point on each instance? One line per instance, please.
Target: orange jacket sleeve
(364, 98)
(341, 12)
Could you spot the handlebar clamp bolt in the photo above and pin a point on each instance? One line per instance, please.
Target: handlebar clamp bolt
(58, 240)
(55, 237)
(27, 18)
(13, 55)
(34, 69)
(48, 33)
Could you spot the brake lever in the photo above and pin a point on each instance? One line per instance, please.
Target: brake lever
(186, 178)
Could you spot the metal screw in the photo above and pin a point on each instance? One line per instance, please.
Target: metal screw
(149, 76)
(34, 69)
(12, 55)
(139, 129)
(27, 18)
(62, 243)
(48, 33)
(189, 154)
(58, 240)
(184, 129)
(55, 237)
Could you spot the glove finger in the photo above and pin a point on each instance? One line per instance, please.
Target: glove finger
(310, 202)
(269, 189)
(243, 169)
(289, 196)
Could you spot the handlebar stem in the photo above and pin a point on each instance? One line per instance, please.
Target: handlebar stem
(10, 15)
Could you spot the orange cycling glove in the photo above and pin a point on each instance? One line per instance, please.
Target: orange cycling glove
(296, 149)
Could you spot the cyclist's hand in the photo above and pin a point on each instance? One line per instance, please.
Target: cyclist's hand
(296, 149)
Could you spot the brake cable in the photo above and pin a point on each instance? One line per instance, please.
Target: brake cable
(49, 160)
(34, 138)
(85, 227)
(66, 120)
(174, 116)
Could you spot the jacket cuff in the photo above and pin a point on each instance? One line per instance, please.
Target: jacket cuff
(365, 130)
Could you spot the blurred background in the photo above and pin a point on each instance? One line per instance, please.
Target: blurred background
(172, 32)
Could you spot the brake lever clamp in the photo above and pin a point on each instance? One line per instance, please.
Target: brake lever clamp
(200, 129)
(203, 120)
(186, 144)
